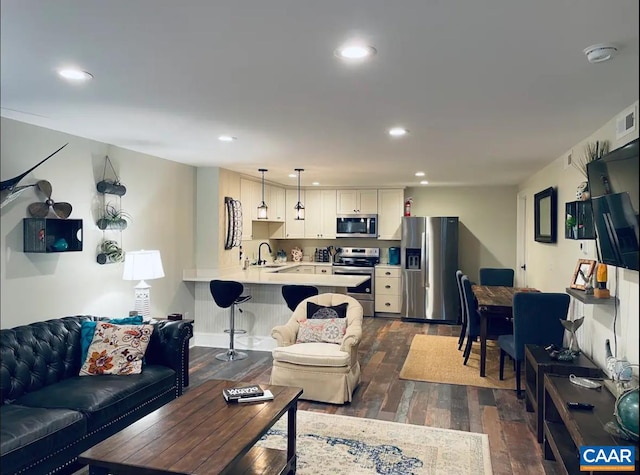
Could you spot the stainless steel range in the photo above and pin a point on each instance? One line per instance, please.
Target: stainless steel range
(359, 261)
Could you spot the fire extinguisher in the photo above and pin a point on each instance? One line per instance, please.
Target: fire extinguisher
(407, 206)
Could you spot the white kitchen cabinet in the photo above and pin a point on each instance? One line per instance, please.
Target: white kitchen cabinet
(327, 270)
(294, 229)
(390, 212)
(320, 206)
(357, 202)
(301, 269)
(276, 203)
(388, 294)
(250, 196)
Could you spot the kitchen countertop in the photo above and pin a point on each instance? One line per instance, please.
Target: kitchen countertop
(270, 276)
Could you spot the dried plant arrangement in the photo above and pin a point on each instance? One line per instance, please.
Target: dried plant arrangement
(592, 151)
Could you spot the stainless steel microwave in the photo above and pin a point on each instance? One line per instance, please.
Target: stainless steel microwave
(357, 225)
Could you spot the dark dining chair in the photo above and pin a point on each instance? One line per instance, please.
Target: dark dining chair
(536, 321)
(497, 325)
(496, 276)
(463, 310)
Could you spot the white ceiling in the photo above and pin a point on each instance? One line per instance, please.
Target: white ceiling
(491, 90)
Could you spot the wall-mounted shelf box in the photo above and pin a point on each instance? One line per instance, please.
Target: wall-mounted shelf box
(583, 229)
(46, 235)
(589, 299)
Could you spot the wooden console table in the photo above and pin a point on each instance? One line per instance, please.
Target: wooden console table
(537, 363)
(566, 430)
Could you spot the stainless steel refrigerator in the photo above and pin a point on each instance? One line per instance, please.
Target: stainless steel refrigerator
(429, 260)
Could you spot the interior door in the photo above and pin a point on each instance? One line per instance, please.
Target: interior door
(521, 247)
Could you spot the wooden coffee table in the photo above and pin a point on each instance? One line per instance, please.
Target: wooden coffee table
(200, 433)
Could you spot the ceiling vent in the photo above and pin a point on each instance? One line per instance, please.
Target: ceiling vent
(600, 52)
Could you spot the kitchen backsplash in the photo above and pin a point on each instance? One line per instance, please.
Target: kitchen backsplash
(309, 246)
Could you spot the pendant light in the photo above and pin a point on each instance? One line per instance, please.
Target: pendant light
(299, 207)
(262, 207)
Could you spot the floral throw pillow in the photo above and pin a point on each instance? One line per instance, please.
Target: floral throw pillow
(117, 349)
(325, 330)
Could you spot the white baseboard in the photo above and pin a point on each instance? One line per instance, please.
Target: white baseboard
(242, 342)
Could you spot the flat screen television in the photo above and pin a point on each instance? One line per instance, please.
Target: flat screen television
(613, 184)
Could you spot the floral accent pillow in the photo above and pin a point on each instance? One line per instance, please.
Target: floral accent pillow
(117, 349)
(324, 330)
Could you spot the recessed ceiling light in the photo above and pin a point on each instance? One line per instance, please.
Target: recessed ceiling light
(419, 173)
(74, 74)
(600, 52)
(315, 183)
(226, 138)
(292, 175)
(424, 182)
(398, 131)
(355, 51)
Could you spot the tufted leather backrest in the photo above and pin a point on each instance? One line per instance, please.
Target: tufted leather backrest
(39, 354)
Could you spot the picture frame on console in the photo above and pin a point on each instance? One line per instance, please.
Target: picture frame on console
(583, 273)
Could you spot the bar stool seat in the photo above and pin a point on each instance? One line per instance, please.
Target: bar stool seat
(228, 294)
(294, 294)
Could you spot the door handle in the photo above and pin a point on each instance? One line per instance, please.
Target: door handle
(523, 267)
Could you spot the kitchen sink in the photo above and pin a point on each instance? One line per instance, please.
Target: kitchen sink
(272, 266)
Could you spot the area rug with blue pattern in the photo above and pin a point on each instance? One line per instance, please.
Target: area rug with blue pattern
(333, 444)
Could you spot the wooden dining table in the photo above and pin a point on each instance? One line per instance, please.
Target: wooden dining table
(493, 301)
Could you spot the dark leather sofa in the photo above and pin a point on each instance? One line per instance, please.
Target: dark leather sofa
(49, 414)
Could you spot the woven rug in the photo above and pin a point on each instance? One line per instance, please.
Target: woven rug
(342, 445)
(437, 359)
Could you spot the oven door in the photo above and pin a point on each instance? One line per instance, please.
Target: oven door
(364, 291)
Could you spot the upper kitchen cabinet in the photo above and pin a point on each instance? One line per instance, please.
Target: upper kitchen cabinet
(390, 212)
(294, 228)
(320, 207)
(357, 202)
(276, 203)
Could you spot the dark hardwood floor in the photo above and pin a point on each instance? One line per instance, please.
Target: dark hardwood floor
(382, 395)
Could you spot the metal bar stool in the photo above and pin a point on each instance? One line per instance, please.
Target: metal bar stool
(228, 293)
(294, 294)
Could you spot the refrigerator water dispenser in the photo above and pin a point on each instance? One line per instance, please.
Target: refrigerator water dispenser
(412, 261)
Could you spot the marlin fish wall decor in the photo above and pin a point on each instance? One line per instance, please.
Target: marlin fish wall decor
(10, 189)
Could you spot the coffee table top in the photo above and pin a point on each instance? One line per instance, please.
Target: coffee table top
(195, 433)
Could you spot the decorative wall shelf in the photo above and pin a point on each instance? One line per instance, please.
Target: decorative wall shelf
(47, 235)
(589, 299)
(582, 225)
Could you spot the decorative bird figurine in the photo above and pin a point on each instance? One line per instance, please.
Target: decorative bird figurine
(10, 190)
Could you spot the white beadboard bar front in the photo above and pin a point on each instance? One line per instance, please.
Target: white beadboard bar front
(265, 310)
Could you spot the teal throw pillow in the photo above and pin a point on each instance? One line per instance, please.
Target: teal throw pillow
(88, 328)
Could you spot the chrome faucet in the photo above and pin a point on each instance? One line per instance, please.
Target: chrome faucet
(260, 260)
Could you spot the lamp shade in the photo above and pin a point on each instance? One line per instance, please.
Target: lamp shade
(142, 265)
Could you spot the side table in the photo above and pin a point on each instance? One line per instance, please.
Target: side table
(537, 364)
(185, 350)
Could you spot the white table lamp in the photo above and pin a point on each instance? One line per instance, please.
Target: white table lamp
(142, 265)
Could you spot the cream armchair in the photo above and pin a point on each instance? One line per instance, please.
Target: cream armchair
(327, 372)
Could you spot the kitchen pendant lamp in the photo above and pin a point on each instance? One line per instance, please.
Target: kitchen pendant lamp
(299, 207)
(262, 207)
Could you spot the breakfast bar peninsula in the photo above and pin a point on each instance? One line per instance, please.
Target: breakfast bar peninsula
(267, 307)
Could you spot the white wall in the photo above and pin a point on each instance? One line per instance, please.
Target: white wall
(550, 267)
(160, 197)
(487, 230)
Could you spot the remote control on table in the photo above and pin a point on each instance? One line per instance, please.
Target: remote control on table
(585, 406)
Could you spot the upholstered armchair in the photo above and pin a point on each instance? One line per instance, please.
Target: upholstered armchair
(327, 372)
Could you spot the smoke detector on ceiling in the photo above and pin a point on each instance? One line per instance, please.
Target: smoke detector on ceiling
(600, 52)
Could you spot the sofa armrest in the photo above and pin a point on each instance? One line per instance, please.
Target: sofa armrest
(169, 346)
(286, 334)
